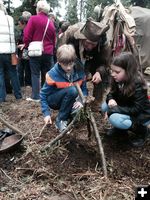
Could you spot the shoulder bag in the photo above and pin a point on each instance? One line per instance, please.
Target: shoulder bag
(36, 47)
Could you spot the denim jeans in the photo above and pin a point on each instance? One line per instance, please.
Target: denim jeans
(7, 82)
(63, 101)
(5, 65)
(121, 121)
(39, 67)
(24, 72)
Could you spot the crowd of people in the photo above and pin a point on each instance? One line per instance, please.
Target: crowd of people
(82, 54)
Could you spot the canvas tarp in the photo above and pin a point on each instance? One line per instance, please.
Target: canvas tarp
(142, 37)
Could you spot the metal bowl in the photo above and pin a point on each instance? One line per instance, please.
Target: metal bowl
(11, 142)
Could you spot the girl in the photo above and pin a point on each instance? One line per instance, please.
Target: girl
(127, 103)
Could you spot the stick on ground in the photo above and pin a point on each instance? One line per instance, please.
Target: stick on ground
(11, 126)
(96, 132)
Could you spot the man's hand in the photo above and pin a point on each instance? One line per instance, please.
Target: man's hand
(112, 103)
(96, 78)
(48, 120)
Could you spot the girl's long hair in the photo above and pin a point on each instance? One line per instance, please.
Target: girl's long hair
(128, 62)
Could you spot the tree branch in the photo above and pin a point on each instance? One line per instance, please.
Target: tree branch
(11, 126)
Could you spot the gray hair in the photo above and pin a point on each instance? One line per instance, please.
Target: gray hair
(26, 15)
(43, 6)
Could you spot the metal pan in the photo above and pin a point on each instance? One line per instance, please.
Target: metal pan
(10, 142)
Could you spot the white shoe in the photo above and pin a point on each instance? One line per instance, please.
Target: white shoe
(61, 125)
(34, 100)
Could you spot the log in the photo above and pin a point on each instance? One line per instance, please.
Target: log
(97, 135)
(62, 134)
(99, 143)
(11, 126)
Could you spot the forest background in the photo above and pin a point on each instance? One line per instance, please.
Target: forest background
(76, 10)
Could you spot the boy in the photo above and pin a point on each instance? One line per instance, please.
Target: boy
(59, 91)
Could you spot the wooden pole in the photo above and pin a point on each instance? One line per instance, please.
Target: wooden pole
(97, 135)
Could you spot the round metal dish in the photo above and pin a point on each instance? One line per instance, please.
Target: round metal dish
(10, 142)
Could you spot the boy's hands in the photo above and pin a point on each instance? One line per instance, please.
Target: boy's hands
(48, 120)
(112, 103)
(77, 104)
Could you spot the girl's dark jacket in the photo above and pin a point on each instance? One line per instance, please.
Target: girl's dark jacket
(137, 106)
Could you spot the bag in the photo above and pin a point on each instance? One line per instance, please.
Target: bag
(14, 59)
(35, 48)
(25, 54)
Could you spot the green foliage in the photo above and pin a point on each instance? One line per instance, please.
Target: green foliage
(77, 10)
(8, 4)
(72, 11)
(142, 3)
(30, 5)
(89, 7)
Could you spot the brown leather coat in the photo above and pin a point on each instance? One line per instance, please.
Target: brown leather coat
(97, 60)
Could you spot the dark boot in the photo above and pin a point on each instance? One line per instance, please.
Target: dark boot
(142, 134)
(115, 131)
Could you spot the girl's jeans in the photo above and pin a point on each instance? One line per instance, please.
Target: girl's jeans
(120, 121)
(63, 101)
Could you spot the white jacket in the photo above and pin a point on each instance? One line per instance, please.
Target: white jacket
(7, 37)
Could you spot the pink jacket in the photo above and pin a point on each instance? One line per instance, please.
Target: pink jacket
(34, 31)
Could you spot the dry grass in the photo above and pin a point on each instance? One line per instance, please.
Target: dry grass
(71, 171)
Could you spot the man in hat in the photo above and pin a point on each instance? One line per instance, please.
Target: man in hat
(92, 49)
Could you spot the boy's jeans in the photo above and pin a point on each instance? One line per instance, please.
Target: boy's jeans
(118, 120)
(63, 101)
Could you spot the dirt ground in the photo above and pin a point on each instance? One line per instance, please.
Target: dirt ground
(71, 170)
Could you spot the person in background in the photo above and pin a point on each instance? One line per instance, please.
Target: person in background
(23, 66)
(92, 48)
(59, 91)
(127, 104)
(64, 27)
(59, 25)
(34, 31)
(52, 17)
(26, 15)
(7, 47)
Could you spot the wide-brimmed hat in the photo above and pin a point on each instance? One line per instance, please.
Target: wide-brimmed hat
(91, 30)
